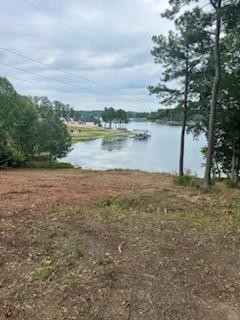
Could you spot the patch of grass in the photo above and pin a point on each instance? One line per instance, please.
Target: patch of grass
(113, 202)
(236, 210)
(45, 270)
(222, 224)
(71, 278)
(187, 181)
(46, 247)
(78, 252)
(86, 133)
(45, 164)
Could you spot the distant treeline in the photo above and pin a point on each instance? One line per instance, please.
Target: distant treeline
(110, 116)
(66, 112)
(172, 115)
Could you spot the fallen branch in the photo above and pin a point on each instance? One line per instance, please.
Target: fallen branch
(150, 300)
(120, 247)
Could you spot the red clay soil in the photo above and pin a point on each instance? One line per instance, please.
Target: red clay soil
(117, 245)
(30, 189)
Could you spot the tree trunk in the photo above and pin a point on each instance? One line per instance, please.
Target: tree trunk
(215, 90)
(182, 142)
(233, 161)
(235, 175)
(235, 165)
(237, 170)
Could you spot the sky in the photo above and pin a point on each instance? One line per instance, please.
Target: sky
(90, 54)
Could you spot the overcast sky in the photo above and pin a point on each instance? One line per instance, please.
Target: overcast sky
(105, 41)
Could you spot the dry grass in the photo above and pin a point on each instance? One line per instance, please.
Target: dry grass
(117, 245)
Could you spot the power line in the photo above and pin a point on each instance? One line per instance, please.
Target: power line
(65, 72)
(35, 73)
(37, 8)
(26, 36)
(70, 28)
(58, 69)
(34, 6)
(54, 79)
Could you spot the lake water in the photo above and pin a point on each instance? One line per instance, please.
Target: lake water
(159, 153)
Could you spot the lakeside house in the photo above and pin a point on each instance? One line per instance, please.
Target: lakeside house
(75, 127)
(74, 123)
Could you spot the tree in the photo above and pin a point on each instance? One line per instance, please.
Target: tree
(54, 138)
(25, 129)
(29, 126)
(223, 13)
(227, 152)
(121, 117)
(180, 53)
(217, 5)
(18, 125)
(108, 115)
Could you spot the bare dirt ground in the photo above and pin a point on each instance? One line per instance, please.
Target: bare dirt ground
(116, 245)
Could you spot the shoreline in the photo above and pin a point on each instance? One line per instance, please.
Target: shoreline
(85, 133)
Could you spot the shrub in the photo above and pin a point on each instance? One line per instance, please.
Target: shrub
(229, 183)
(113, 202)
(236, 210)
(187, 181)
(45, 164)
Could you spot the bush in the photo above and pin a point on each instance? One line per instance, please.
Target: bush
(187, 181)
(113, 202)
(229, 183)
(46, 164)
(236, 210)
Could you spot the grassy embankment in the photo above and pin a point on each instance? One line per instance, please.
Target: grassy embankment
(84, 133)
(117, 245)
(46, 164)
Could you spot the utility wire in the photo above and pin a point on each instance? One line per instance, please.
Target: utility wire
(49, 78)
(58, 69)
(66, 72)
(27, 36)
(35, 73)
(34, 6)
(37, 8)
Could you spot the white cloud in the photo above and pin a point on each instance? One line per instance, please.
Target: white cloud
(106, 41)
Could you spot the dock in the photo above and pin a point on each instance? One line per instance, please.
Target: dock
(141, 134)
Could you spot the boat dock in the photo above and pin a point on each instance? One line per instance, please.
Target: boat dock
(141, 134)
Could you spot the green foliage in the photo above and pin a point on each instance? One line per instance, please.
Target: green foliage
(78, 252)
(46, 164)
(113, 202)
(236, 210)
(45, 270)
(173, 115)
(109, 115)
(29, 127)
(229, 183)
(187, 181)
(195, 28)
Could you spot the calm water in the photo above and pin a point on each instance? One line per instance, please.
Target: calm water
(159, 153)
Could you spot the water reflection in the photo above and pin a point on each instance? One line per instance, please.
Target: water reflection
(159, 153)
(113, 144)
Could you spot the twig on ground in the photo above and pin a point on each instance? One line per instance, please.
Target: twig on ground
(120, 247)
(150, 300)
